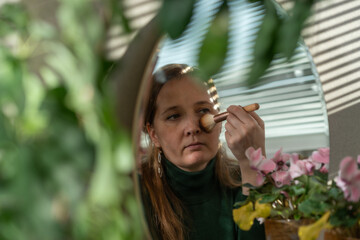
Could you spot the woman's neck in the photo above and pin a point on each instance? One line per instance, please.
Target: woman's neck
(191, 187)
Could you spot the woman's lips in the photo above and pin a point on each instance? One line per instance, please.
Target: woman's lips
(194, 146)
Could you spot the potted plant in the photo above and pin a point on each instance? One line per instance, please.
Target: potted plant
(295, 191)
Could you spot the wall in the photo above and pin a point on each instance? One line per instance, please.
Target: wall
(333, 38)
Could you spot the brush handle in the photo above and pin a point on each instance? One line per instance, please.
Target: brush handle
(222, 116)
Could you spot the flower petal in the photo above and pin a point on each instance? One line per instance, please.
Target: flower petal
(258, 161)
(297, 168)
(245, 215)
(260, 179)
(277, 155)
(254, 156)
(348, 168)
(309, 166)
(262, 210)
(340, 183)
(324, 168)
(322, 155)
(312, 231)
(354, 188)
(242, 216)
(281, 178)
(267, 165)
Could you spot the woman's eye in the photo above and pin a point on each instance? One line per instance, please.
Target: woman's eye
(204, 110)
(173, 117)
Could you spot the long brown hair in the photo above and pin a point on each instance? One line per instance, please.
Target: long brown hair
(166, 213)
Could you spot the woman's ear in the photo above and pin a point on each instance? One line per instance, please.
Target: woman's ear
(153, 136)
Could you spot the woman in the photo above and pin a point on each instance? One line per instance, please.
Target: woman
(189, 186)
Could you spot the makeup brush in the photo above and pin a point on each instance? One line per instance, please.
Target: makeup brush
(208, 121)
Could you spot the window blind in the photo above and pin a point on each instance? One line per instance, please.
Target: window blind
(290, 96)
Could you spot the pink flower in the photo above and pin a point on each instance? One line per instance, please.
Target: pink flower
(300, 167)
(349, 179)
(258, 161)
(320, 159)
(297, 168)
(281, 159)
(281, 178)
(322, 155)
(324, 168)
(310, 166)
(260, 178)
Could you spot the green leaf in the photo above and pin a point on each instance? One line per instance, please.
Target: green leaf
(213, 50)
(248, 185)
(290, 30)
(254, 1)
(175, 16)
(241, 203)
(283, 212)
(124, 159)
(313, 207)
(316, 196)
(343, 217)
(269, 198)
(13, 17)
(298, 190)
(335, 193)
(264, 49)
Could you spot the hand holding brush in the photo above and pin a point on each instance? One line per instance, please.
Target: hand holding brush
(208, 121)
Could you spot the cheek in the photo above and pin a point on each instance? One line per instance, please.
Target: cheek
(217, 130)
(215, 134)
(169, 139)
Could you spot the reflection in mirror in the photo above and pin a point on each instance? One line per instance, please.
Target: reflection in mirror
(189, 185)
(178, 195)
(290, 96)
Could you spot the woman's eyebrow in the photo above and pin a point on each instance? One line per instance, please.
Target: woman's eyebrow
(169, 109)
(203, 103)
(199, 103)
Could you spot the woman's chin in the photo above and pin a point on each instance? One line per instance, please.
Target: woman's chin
(196, 162)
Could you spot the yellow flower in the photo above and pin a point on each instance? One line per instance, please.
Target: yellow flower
(312, 231)
(245, 215)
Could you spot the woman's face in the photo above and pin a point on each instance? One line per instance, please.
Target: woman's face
(176, 129)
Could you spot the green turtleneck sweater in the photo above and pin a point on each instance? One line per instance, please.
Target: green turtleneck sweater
(208, 205)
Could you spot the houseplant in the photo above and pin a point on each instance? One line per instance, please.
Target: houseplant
(295, 190)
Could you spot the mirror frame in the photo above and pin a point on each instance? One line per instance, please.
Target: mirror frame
(136, 68)
(140, 57)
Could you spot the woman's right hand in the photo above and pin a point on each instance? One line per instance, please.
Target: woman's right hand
(244, 130)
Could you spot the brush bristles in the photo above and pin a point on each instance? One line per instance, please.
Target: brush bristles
(207, 122)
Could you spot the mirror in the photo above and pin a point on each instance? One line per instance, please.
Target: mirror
(290, 96)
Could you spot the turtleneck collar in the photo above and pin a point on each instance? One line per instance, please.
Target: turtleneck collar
(191, 187)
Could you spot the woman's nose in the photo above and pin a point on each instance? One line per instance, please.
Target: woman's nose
(193, 126)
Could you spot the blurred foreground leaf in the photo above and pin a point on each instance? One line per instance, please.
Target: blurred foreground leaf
(12, 17)
(290, 29)
(65, 167)
(213, 50)
(278, 36)
(264, 49)
(175, 16)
